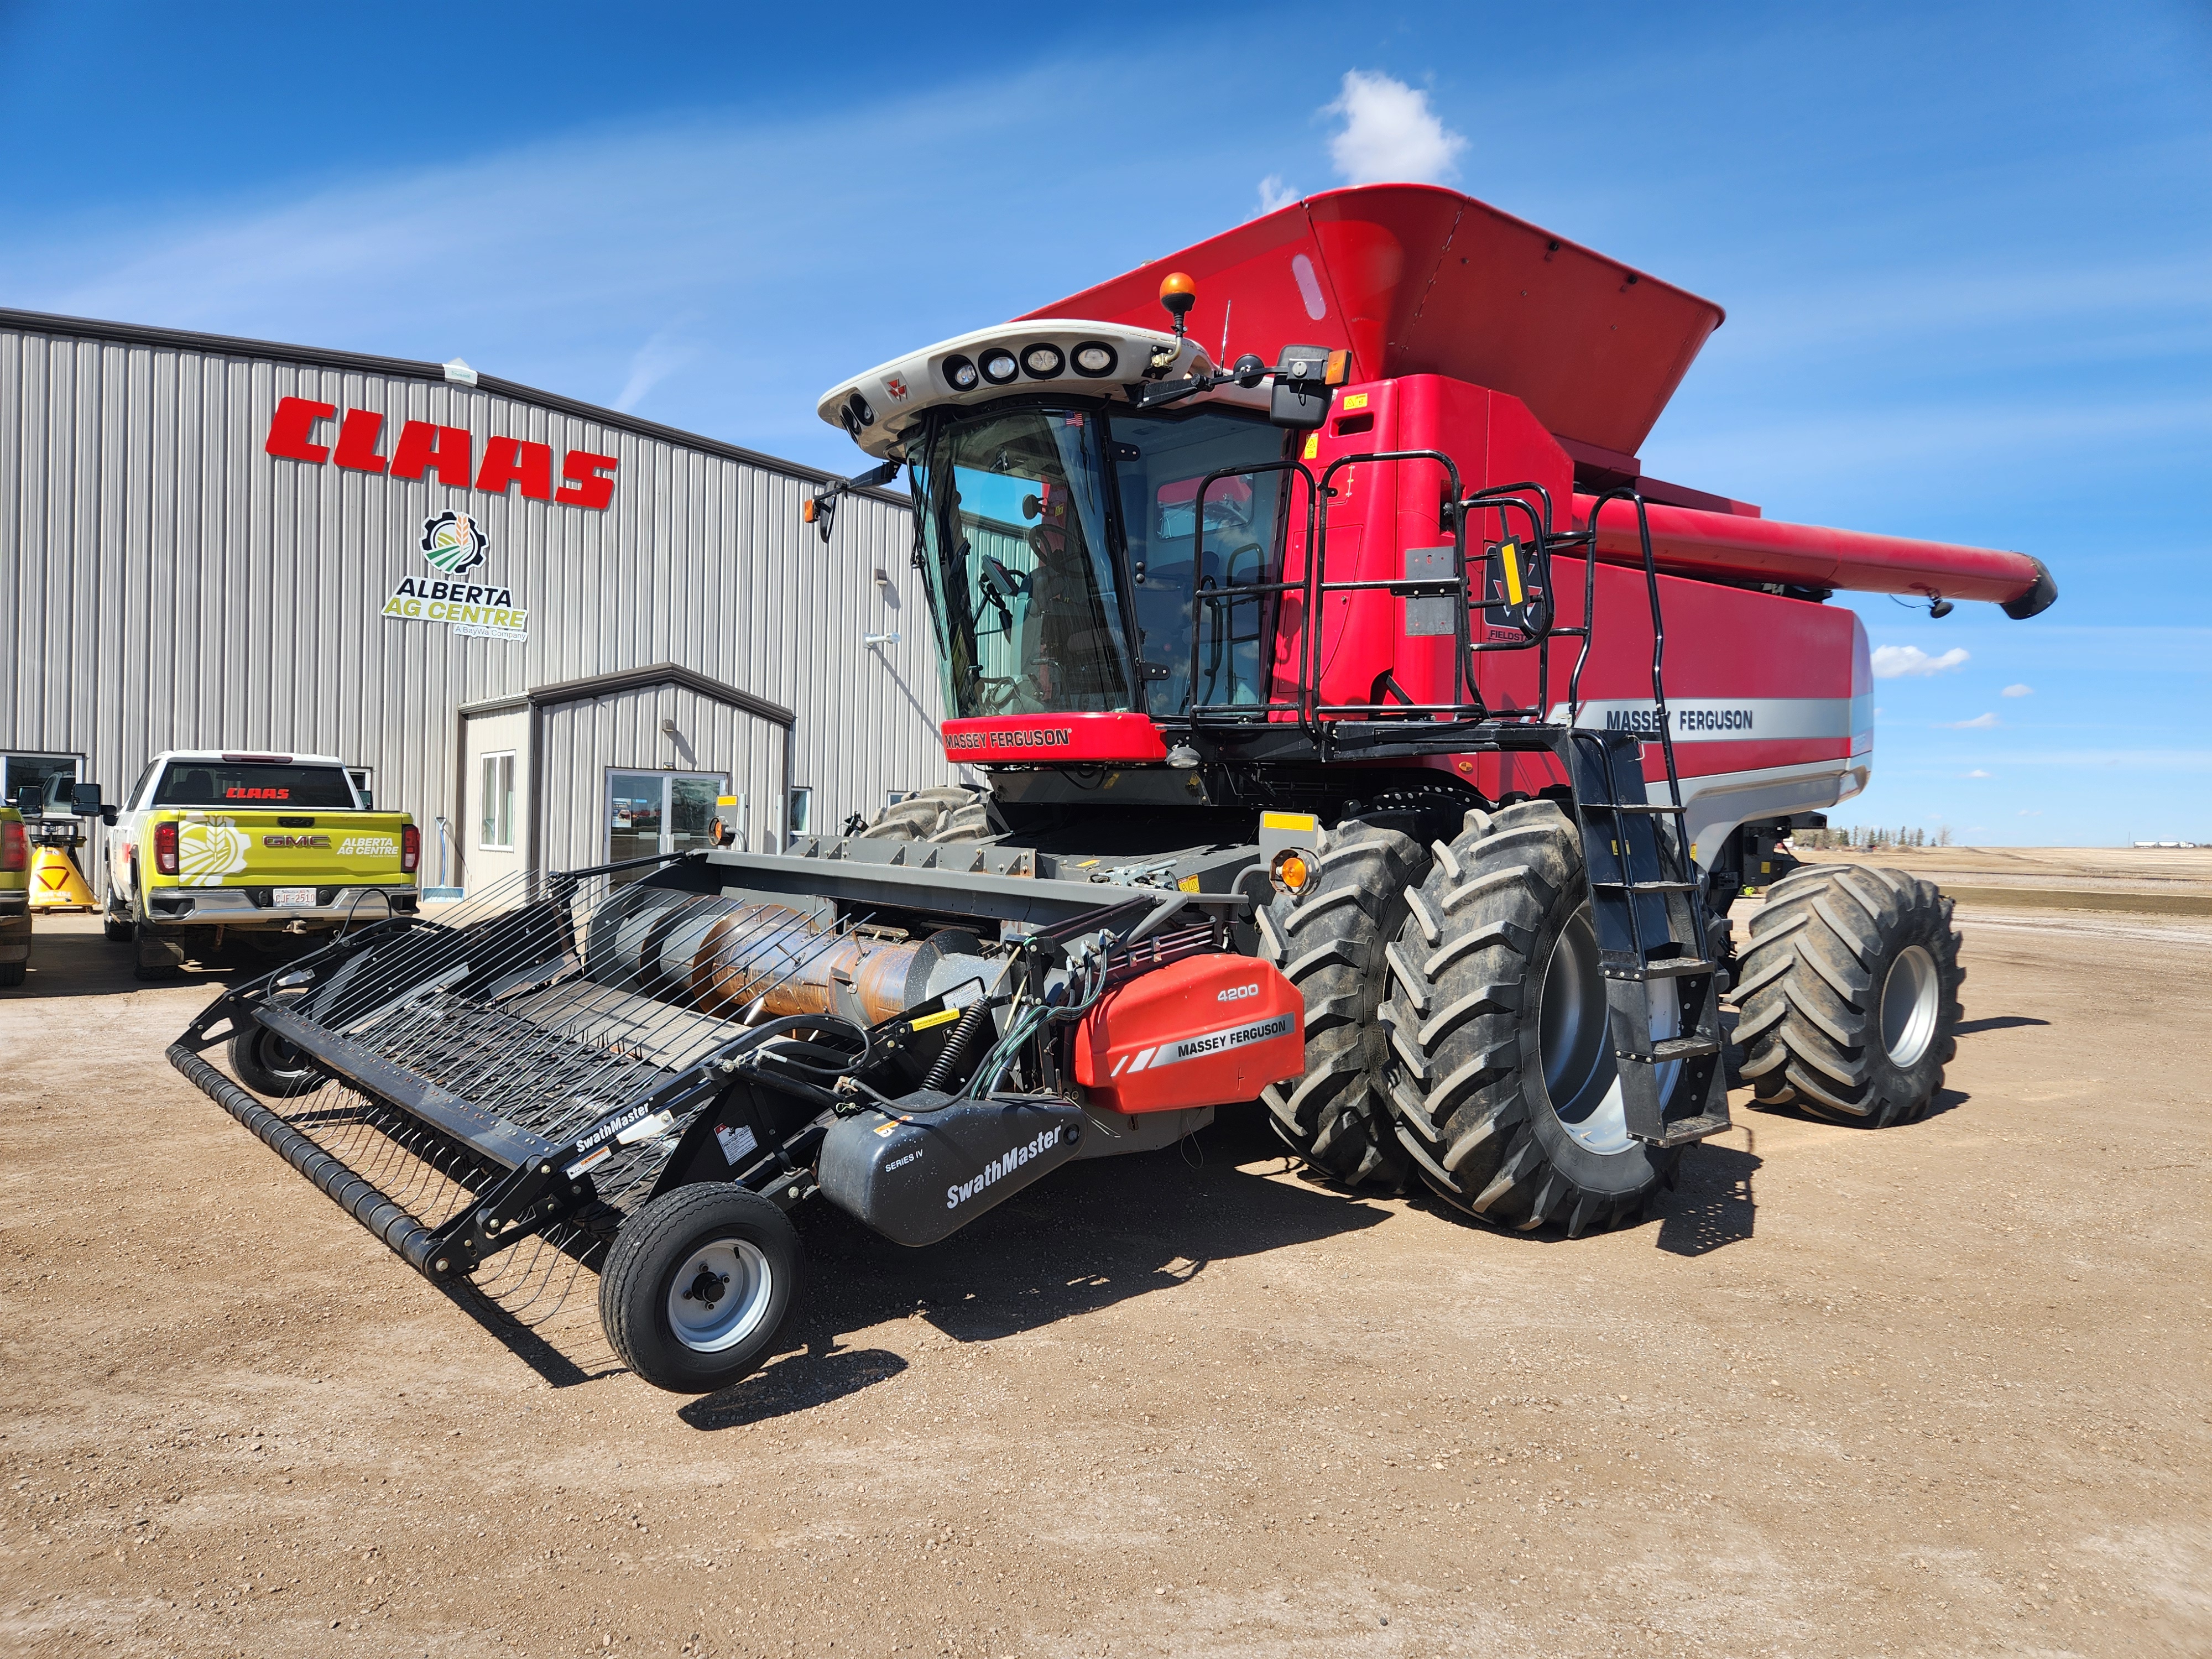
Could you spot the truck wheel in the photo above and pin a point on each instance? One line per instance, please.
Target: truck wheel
(271, 1067)
(154, 959)
(1329, 942)
(1502, 1080)
(697, 1285)
(1851, 994)
(921, 815)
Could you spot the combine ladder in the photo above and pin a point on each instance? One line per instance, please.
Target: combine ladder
(1662, 993)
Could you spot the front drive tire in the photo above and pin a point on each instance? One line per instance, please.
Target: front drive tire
(1329, 942)
(698, 1284)
(1502, 1080)
(271, 1067)
(1849, 994)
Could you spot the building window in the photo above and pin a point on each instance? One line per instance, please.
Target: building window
(495, 827)
(802, 811)
(652, 814)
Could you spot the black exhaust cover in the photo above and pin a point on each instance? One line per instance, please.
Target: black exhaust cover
(926, 1171)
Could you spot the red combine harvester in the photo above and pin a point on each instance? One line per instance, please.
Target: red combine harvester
(1361, 728)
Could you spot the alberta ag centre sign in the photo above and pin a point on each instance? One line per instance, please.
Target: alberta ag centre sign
(457, 594)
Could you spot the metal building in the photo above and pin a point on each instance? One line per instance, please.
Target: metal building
(553, 632)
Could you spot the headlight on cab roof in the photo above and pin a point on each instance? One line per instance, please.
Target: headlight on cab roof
(1094, 360)
(1043, 361)
(999, 365)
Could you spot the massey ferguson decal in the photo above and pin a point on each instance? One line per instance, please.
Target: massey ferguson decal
(1022, 737)
(447, 451)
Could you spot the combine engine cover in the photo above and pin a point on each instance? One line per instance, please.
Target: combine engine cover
(1208, 1031)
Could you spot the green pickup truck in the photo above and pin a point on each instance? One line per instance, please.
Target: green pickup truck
(248, 858)
(14, 897)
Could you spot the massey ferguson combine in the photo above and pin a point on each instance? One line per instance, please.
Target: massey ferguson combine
(1361, 729)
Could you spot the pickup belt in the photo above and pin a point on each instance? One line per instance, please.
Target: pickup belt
(505, 1143)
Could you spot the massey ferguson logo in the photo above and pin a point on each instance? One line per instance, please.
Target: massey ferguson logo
(1026, 738)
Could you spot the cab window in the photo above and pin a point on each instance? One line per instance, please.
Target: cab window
(252, 784)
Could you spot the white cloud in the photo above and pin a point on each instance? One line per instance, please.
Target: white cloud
(1274, 193)
(1390, 136)
(1896, 662)
(1979, 723)
(1979, 772)
(652, 363)
(2017, 691)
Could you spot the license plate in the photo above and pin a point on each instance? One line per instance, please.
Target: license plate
(293, 898)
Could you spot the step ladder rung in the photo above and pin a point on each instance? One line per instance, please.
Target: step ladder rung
(1647, 886)
(1665, 968)
(1682, 1130)
(1671, 1048)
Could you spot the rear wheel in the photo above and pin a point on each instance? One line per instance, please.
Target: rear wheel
(265, 1063)
(948, 813)
(154, 959)
(1501, 1081)
(697, 1286)
(1850, 994)
(1329, 942)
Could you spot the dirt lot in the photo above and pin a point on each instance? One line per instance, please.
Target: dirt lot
(1934, 1389)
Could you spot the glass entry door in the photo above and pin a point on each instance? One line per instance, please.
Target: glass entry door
(651, 812)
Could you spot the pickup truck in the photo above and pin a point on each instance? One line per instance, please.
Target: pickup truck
(14, 897)
(248, 858)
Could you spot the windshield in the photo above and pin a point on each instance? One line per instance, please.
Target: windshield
(1159, 462)
(251, 783)
(1028, 599)
(1028, 614)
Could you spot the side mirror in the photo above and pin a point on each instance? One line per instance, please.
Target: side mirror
(1305, 383)
(84, 801)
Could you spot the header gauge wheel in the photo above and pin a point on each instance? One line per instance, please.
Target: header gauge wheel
(697, 1286)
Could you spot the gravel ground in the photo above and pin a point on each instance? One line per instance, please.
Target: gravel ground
(1934, 1389)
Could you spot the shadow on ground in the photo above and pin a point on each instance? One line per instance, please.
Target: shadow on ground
(1088, 1236)
(1713, 1205)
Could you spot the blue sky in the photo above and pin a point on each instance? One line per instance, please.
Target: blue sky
(1966, 252)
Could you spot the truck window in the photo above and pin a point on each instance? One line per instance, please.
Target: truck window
(136, 797)
(253, 784)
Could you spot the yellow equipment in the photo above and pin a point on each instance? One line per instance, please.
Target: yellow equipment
(55, 882)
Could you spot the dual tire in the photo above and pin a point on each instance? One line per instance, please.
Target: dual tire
(1501, 1084)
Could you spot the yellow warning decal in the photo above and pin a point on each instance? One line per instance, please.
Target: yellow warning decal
(1357, 400)
(936, 1019)
(1313, 446)
(1304, 821)
(721, 800)
(1509, 555)
(1187, 884)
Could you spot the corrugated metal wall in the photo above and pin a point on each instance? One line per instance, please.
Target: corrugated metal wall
(580, 742)
(173, 586)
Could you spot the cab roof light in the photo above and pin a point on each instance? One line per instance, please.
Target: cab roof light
(999, 365)
(960, 373)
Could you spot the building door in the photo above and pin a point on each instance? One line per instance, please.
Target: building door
(492, 840)
(654, 812)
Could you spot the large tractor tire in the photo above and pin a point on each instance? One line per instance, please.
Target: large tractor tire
(1502, 1082)
(1329, 941)
(947, 814)
(1850, 994)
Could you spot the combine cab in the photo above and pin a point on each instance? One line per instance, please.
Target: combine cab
(1361, 730)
